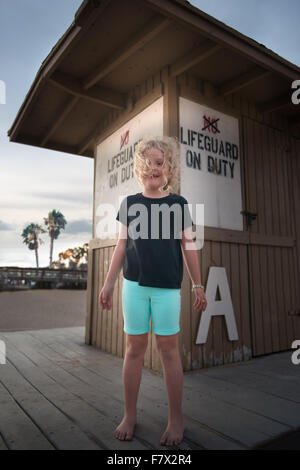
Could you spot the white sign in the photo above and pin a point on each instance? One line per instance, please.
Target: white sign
(210, 163)
(217, 279)
(114, 156)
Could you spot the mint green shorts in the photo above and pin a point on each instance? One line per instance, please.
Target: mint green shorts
(141, 302)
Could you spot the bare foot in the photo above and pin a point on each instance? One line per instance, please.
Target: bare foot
(124, 431)
(173, 434)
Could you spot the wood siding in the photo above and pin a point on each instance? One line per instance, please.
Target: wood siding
(273, 269)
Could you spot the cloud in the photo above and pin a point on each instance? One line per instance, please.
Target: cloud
(79, 226)
(85, 197)
(5, 226)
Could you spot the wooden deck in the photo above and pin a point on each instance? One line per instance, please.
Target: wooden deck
(56, 392)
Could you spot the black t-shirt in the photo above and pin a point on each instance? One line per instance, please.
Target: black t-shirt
(153, 251)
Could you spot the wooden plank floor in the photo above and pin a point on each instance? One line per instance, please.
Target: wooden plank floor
(56, 392)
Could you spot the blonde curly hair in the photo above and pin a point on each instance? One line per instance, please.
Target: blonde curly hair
(170, 148)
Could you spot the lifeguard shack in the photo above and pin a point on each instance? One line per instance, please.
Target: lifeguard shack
(126, 68)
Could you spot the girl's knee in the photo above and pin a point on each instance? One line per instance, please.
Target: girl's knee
(136, 345)
(167, 345)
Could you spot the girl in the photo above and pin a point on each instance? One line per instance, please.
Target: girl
(152, 276)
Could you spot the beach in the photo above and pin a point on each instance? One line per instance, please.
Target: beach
(42, 308)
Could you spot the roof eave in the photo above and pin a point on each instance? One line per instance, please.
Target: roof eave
(179, 10)
(81, 18)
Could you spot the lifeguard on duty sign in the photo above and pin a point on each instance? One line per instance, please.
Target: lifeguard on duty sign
(210, 163)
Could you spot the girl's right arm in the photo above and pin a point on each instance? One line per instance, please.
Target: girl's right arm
(105, 296)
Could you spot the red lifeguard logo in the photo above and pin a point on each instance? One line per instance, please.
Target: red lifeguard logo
(124, 139)
(211, 124)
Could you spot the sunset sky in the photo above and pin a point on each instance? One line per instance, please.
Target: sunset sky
(34, 181)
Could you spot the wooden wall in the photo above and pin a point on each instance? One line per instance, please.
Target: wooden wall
(261, 262)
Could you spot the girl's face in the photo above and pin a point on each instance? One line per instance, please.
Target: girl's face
(154, 178)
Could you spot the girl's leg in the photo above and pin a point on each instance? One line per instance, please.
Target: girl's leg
(173, 376)
(136, 346)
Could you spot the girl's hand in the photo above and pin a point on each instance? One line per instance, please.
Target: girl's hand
(200, 299)
(105, 296)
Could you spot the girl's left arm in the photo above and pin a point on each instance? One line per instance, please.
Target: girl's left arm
(190, 257)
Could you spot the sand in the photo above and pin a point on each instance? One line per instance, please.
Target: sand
(42, 308)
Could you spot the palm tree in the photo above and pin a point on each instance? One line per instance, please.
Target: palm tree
(55, 222)
(31, 237)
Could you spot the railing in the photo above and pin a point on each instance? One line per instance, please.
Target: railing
(42, 277)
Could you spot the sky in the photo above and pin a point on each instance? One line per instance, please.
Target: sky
(33, 180)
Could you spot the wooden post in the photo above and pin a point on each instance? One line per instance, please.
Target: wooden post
(89, 298)
(171, 109)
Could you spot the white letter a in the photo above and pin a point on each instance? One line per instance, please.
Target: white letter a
(217, 278)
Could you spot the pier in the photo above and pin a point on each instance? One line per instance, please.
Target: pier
(16, 278)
